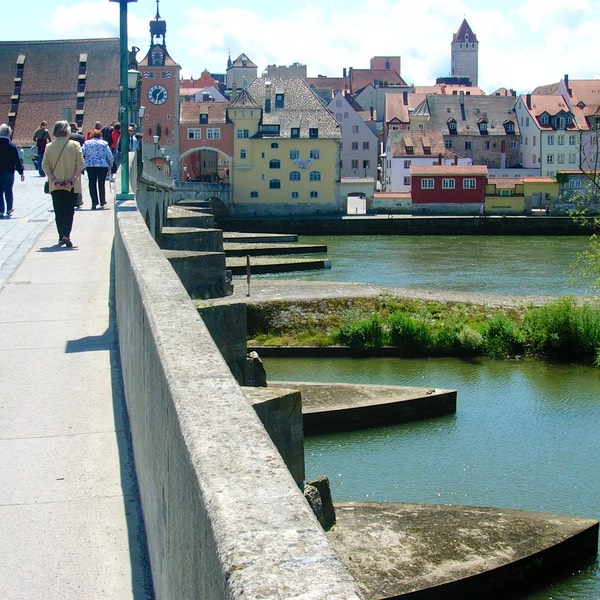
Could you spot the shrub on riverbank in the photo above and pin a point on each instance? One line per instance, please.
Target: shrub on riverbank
(562, 329)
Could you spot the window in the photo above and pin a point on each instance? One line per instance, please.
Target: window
(274, 164)
(213, 133)
(279, 100)
(560, 159)
(314, 194)
(407, 164)
(354, 128)
(365, 145)
(313, 132)
(407, 181)
(560, 140)
(242, 154)
(574, 183)
(409, 149)
(448, 184)
(294, 154)
(355, 164)
(487, 144)
(550, 159)
(544, 120)
(509, 127)
(315, 176)
(426, 149)
(452, 126)
(269, 129)
(203, 119)
(242, 133)
(482, 127)
(274, 145)
(514, 145)
(572, 140)
(194, 133)
(366, 164)
(294, 195)
(572, 159)
(448, 143)
(314, 154)
(253, 194)
(427, 184)
(550, 140)
(469, 184)
(354, 145)
(267, 105)
(295, 132)
(274, 184)
(468, 145)
(294, 175)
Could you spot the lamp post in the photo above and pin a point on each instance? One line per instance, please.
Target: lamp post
(124, 100)
(155, 139)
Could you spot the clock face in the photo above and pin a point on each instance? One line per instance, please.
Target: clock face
(157, 94)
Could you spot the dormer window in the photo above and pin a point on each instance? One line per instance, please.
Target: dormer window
(452, 126)
(483, 129)
(409, 149)
(509, 127)
(203, 118)
(426, 149)
(544, 119)
(279, 100)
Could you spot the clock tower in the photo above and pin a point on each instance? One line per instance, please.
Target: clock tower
(160, 95)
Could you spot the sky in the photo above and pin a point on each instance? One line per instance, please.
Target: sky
(522, 43)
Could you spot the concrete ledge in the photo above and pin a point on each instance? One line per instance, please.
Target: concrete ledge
(457, 552)
(336, 407)
(191, 238)
(202, 273)
(189, 217)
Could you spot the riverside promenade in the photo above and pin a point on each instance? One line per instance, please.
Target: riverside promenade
(69, 511)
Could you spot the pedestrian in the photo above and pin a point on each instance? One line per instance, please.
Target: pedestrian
(116, 151)
(63, 163)
(10, 161)
(133, 142)
(41, 137)
(98, 160)
(97, 125)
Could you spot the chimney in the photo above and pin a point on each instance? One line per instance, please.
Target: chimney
(528, 101)
(569, 90)
(439, 158)
(371, 113)
(405, 98)
(456, 159)
(344, 74)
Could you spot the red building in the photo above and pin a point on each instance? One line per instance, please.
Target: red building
(448, 184)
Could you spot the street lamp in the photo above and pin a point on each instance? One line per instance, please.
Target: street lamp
(124, 88)
(155, 139)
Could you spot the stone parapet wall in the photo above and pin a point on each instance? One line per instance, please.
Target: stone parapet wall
(224, 518)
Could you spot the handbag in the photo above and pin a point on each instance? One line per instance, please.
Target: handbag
(47, 183)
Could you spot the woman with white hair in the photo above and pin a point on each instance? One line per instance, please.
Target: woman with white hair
(10, 161)
(63, 164)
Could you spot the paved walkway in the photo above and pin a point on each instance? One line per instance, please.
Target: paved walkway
(69, 512)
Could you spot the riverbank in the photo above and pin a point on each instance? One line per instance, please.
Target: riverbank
(409, 225)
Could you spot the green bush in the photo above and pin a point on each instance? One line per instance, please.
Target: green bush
(563, 330)
(471, 341)
(410, 334)
(502, 338)
(364, 333)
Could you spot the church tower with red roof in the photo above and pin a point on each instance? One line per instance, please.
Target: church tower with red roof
(465, 54)
(160, 94)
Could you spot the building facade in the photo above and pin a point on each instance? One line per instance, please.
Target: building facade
(450, 185)
(285, 151)
(160, 94)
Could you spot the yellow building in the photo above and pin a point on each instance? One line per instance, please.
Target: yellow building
(286, 151)
(506, 196)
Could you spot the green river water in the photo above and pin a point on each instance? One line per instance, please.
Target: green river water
(525, 434)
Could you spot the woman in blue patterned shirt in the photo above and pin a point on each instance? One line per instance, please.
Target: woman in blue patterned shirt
(98, 160)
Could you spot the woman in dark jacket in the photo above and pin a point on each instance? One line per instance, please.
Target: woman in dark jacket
(10, 161)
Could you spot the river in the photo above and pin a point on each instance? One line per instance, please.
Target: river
(525, 434)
